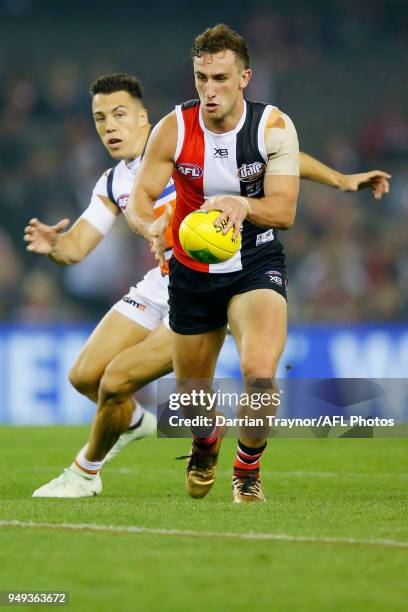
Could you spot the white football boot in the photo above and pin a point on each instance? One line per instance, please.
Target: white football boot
(147, 428)
(70, 484)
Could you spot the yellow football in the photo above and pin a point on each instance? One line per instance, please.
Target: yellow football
(204, 242)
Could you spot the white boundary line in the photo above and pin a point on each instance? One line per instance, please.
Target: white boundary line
(278, 537)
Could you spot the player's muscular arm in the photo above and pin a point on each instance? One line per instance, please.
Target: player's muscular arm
(281, 183)
(66, 248)
(314, 170)
(154, 173)
(278, 207)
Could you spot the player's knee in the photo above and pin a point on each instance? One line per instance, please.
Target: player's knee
(255, 368)
(83, 381)
(114, 385)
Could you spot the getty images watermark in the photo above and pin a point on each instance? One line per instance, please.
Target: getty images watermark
(300, 407)
(209, 400)
(255, 401)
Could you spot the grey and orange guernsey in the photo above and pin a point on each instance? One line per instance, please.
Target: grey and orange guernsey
(147, 302)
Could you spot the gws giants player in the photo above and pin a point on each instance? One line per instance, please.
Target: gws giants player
(131, 345)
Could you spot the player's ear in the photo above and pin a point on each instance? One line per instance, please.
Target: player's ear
(143, 118)
(245, 78)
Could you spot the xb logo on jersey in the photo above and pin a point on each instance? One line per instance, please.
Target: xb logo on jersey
(220, 152)
(189, 170)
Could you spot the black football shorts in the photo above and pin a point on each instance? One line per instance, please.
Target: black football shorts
(199, 300)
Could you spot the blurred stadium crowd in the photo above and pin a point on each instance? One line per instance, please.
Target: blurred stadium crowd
(338, 71)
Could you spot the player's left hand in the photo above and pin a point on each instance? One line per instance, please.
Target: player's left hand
(233, 210)
(377, 180)
(157, 235)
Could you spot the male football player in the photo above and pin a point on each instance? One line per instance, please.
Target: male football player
(254, 185)
(131, 345)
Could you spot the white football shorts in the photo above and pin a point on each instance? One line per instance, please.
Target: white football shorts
(147, 303)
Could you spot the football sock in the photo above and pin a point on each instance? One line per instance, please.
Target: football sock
(84, 467)
(247, 459)
(205, 446)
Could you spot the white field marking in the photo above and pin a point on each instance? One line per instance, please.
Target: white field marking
(269, 474)
(274, 537)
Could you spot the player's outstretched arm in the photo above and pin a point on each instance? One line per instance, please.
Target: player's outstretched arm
(73, 246)
(314, 170)
(154, 173)
(64, 248)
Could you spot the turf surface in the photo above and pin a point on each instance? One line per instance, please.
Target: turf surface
(345, 489)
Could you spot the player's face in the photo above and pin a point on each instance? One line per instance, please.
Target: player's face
(220, 80)
(119, 120)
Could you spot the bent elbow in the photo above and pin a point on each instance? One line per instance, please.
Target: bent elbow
(287, 221)
(287, 224)
(288, 218)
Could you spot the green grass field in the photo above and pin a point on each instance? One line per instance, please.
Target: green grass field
(354, 491)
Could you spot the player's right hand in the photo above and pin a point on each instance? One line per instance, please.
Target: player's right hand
(42, 238)
(157, 235)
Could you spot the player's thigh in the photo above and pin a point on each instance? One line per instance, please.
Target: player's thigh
(258, 321)
(140, 364)
(112, 335)
(195, 355)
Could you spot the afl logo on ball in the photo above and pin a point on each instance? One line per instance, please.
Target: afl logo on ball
(250, 172)
(189, 170)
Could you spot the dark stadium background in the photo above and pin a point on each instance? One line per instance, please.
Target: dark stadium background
(338, 68)
(333, 534)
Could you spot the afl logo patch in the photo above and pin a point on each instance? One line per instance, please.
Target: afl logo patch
(251, 172)
(123, 200)
(190, 170)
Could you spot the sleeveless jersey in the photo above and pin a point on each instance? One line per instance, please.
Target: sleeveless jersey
(116, 185)
(232, 163)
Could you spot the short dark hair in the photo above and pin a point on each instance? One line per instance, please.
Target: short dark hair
(220, 38)
(109, 83)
